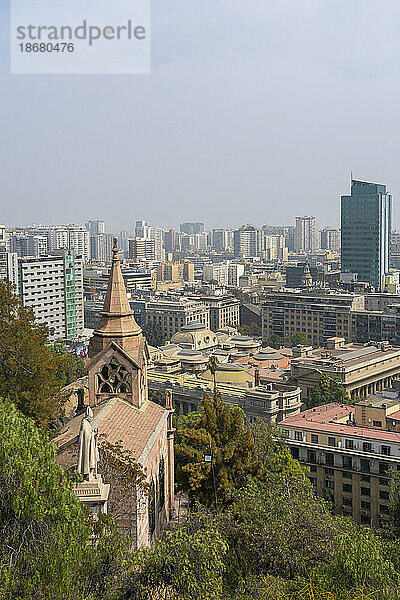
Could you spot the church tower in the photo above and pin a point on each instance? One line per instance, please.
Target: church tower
(118, 352)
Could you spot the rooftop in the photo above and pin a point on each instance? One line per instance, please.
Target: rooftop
(332, 418)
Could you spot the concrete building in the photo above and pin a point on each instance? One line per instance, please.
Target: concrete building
(224, 311)
(191, 228)
(170, 315)
(218, 272)
(123, 414)
(53, 287)
(8, 260)
(318, 315)
(272, 401)
(366, 222)
(395, 250)
(245, 241)
(95, 227)
(175, 271)
(142, 249)
(330, 239)
(144, 231)
(306, 234)
(362, 369)
(352, 452)
(219, 240)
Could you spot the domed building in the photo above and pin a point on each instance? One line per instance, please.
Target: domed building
(230, 373)
(195, 336)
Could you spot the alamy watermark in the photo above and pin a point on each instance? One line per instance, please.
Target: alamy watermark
(80, 36)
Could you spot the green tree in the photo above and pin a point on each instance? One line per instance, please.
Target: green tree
(213, 368)
(326, 391)
(43, 535)
(153, 335)
(232, 445)
(71, 367)
(184, 565)
(275, 341)
(30, 372)
(299, 339)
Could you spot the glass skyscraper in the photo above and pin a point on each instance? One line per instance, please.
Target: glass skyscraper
(366, 222)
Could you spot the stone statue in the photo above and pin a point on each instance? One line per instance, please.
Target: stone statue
(88, 455)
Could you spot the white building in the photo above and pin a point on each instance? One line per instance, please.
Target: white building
(306, 239)
(53, 287)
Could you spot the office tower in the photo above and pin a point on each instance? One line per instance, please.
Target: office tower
(330, 239)
(245, 241)
(95, 227)
(366, 221)
(53, 287)
(271, 247)
(191, 228)
(123, 243)
(64, 237)
(305, 234)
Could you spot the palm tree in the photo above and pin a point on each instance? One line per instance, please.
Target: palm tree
(213, 366)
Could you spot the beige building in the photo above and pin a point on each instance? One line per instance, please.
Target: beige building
(362, 369)
(170, 315)
(317, 315)
(175, 271)
(351, 452)
(118, 397)
(224, 311)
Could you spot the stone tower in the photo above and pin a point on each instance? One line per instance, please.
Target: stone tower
(118, 352)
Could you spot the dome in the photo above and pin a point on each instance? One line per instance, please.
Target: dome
(229, 373)
(195, 336)
(268, 354)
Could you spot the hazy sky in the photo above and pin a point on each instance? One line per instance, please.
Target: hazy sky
(255, 111)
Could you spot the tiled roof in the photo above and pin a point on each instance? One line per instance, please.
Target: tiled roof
(120, 421)
(321, 419)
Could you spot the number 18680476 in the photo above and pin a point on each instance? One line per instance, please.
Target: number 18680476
(43, 47)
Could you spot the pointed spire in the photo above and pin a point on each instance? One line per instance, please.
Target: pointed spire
(117, 322)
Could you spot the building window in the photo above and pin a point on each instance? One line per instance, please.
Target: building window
(347, 501)
(386, 450)
(384, 509)
(330, 485)
(365, 465)
(365, 520)
(383, 468)
(152, 508)
(348, 444)
(367, 447)
(161, 483)
(347, 475)
(331, 441)
(365, 491)
(329, 459)
(329, 472)
(113, 379)
(298, 436)
(295, 453)
(365, 478)
(314, 438)
(365, 505)
(383, 495)
(347, 487)
(347, 462)
(377, 423)
(311, 456)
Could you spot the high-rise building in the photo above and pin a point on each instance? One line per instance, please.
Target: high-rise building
(245, 241)
(142, 249)
(8, 260)
(219, 240)
(101, 245)
(306, 234)
(53, 287)
(95, 227)
(147, 232)
(366, 222)
(191, 228)
(395, 250)
(330, 239)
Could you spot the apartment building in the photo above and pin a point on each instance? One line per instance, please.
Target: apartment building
(53, 287)
(170, 315)
(363, 369)
(351, 452)
(142, 249)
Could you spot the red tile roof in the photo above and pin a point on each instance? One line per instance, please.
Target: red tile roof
(321, 419)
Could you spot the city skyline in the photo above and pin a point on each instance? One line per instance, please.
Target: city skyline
(232, 126)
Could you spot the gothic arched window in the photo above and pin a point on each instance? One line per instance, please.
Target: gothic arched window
(114, 379)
